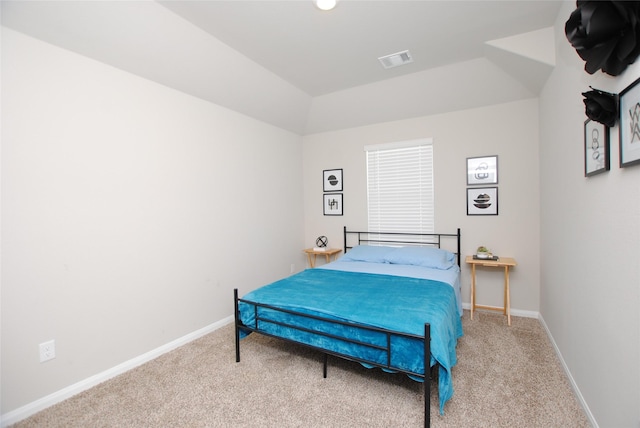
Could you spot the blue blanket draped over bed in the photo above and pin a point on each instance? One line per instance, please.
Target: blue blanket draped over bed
(384, 301)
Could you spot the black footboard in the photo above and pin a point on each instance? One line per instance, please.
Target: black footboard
(239, 326)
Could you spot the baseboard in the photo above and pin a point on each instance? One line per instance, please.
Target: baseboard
(574, 386)
(514, 312)
(65, 393)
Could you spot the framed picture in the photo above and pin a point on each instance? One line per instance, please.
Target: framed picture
(482, 170)
(332, 180)
(630, 125)
(596, 148)
(482, 201)
(332, 204)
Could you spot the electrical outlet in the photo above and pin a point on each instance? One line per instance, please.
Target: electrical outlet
(47, 351)
(293, 268)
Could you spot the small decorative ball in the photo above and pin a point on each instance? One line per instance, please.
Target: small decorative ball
(322, 241)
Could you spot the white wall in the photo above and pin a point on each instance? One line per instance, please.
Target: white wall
(507, 130)
(590, 271)
(129, 213)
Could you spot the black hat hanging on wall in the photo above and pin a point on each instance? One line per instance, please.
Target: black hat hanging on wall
(606, 34)
(601, 106)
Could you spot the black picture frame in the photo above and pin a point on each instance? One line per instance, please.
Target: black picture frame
(482, 170)
(482, 201)
(332, 180)
(596, 148)
(629, 128)
(332, 204)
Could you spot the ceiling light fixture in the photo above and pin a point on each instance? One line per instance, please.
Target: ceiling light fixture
(325, 4)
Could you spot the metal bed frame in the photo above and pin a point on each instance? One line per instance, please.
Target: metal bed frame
(401, 238)
(386, 238)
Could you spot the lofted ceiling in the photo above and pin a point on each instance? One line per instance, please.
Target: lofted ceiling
(291, 65)
(324, 52)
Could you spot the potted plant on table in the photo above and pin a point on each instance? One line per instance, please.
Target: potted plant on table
(483, 253)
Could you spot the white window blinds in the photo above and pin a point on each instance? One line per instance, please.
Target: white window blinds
(400, 187)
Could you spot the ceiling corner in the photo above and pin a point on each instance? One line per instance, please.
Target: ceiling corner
(529, 57)
(538, 45)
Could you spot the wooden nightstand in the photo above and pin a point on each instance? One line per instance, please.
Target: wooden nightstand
(328, 253)
(502, 262)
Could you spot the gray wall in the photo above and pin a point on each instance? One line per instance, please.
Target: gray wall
(130, 211)
(509, 131)
(590, 269)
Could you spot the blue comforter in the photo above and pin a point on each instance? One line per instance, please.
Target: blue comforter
(383, 301)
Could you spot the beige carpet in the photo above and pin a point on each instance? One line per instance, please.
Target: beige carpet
(505, 377)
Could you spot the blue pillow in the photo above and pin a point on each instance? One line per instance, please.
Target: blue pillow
(367, 253)
(431, 257)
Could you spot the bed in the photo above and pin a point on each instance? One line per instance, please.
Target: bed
(391, 301)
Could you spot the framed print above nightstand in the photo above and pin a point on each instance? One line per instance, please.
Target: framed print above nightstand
(482, 201)
(332, 204)
(482, 170)
(332, 180)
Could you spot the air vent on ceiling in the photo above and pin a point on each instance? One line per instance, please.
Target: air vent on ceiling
(396, 59)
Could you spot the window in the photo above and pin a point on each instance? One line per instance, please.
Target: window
(400, 187)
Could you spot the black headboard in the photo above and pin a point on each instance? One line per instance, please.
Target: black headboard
(353, 238)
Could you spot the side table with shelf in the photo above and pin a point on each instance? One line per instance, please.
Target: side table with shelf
(327, 253)
(502, 262)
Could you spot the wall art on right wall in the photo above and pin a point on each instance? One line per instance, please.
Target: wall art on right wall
(596, 148)
(630, 125)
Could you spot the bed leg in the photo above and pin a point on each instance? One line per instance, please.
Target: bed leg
(344, 239)
(427, 375)
(324, 371)
(237, 321)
